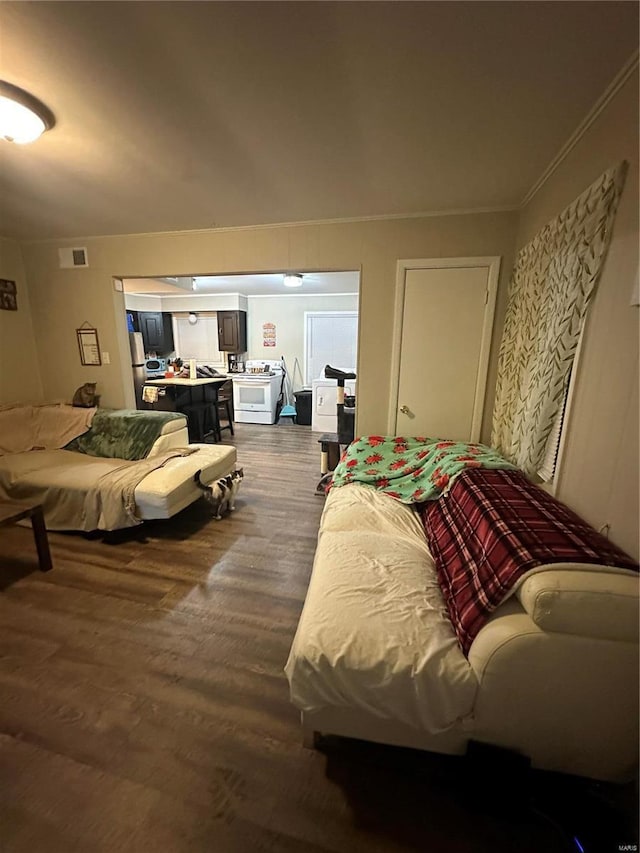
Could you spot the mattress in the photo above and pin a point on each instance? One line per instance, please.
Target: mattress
(374, 634)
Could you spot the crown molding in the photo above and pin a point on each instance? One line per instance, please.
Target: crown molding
(607, 96)
(471, 211)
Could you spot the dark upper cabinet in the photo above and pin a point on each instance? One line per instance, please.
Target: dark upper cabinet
(232, 331)
(157, 331)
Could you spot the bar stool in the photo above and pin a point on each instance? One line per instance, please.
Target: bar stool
(223, 407)
(196, 420)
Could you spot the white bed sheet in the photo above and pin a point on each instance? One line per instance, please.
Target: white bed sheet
(374, 633)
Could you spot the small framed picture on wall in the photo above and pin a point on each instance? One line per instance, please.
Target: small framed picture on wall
(89, 346)
(8, 295)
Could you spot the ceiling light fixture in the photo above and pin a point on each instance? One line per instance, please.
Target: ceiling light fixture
(23, 118)
(292, 280)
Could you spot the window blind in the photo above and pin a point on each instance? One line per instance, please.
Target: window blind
(331, 338)
(199, 341)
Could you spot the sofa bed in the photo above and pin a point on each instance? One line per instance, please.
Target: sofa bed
(551, 672)
(103, 469)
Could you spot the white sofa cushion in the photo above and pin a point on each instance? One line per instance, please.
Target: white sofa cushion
(168, 440)
(592, 602)
(169, 489)
(173, 426)
(374, 632)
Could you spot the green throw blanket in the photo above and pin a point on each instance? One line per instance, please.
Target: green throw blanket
(411, 469)
(122, 433)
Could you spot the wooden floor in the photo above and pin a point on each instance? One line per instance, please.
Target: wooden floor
(143, 705)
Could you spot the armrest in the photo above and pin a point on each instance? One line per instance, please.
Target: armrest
(592, 603)
(551, 695)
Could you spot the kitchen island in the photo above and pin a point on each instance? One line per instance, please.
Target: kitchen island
(197, 399)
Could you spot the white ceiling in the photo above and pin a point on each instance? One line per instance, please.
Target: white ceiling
(248, 285)
(181, 115)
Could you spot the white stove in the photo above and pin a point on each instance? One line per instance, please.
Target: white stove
(245, 375)
(255, 395)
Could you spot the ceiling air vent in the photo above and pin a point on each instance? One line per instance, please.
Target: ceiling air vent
(73, 258)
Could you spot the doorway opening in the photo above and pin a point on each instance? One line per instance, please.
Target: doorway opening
(246, 327)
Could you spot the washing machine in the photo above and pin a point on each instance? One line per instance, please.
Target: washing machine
(324, 402)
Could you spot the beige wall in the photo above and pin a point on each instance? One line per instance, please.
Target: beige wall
(599, 471)
(20, 372)
(66, 298)
(287, 312)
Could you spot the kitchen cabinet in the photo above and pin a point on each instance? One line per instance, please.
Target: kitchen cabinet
(132, 321)
(157, 331)
(232, 331)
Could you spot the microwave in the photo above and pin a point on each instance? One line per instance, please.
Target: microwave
(155, 365)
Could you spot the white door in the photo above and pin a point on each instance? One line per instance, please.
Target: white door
(444, 319)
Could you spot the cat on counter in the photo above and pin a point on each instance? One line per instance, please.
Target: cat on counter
(221, 494)
(85, 396)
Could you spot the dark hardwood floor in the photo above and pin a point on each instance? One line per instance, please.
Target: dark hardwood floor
(143, 705)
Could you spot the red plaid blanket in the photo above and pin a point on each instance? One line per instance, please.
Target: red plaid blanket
(492, 528)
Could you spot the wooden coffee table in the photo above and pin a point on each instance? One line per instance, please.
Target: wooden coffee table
(12, 511)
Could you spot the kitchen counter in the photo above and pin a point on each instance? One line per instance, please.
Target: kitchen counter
(189, 383)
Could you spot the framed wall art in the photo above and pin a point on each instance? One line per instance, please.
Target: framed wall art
(8, 295)
(88, 345)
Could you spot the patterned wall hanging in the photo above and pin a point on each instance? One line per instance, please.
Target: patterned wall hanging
(551, 286)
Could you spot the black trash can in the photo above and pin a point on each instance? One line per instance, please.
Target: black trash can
(303, 407)
(346, 423)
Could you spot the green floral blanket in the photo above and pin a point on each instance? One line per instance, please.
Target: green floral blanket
(411, 469)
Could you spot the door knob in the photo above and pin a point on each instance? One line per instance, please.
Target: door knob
(404, 410)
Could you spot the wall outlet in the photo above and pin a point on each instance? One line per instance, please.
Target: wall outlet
(106, 358)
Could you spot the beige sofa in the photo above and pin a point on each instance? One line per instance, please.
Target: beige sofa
(83, 491)
(553, 675)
